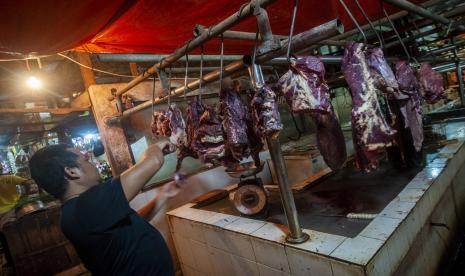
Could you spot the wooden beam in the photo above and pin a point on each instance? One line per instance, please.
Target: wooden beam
(55, 111)
(133, 67)
(87, 74)
(113, 137)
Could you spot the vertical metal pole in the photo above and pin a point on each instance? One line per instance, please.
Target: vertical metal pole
(287, 198)
(459, 77)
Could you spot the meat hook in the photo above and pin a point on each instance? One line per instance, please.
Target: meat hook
(354, 20)
(201, 71)
(291, 31)
(221, 62)
(369, 22)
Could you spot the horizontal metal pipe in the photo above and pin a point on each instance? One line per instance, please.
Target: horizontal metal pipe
(251, 36)
(408, 6)
(214, 31)
(301, 40)
(158, 58)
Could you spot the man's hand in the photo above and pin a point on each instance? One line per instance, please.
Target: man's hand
(151, 161)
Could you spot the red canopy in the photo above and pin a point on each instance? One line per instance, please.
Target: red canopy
(147, 26)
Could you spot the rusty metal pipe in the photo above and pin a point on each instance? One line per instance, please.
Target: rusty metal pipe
(304, 39)
(212, 32)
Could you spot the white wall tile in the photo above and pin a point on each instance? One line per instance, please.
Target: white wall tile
(303, 263)
(221, 261)
(221, 220)
(397, 209)
(410, 195)
(268, 271)
(188, 229)
(380, 228)
(245, 225)
(270, 254)
(358, 250)
(201, 257)
(244, 267)
(319, 242)
(184, 250)
(344, 269)
(234, 243)
(272, 232)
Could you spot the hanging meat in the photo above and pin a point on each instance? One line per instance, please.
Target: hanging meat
(431, 83)
(384, 78)
(411, 110)
(208, 140)
(160, 124)
(306, 91)
(370, 131)
(265, 113)
(240, 135)
(235, 116)
(304, 86)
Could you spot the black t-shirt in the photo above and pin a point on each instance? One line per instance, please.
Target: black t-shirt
(110, 237)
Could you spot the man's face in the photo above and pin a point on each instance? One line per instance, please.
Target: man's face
(89, 174)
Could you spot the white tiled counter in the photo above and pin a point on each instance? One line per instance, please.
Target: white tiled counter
(400, 240)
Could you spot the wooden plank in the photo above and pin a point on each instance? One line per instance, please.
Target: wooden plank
(113, 137)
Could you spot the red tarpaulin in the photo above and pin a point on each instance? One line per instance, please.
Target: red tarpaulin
(147, 26)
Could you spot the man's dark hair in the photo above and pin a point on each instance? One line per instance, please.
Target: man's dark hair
(47, 167)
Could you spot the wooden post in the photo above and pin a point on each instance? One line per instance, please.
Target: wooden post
(87, 74)
(113, 137)
(133, 67)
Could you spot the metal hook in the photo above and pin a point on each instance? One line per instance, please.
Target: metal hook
(201, 71)
(221, 62)
(354, 20)
(291, 31)
(369, 22)
(254, 54)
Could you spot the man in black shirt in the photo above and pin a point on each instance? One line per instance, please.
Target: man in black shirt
(110, 237)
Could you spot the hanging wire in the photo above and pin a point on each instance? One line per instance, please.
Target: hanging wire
(369, 22)
(409, 57)
(169, 87)
(94, 69)
(354, 20)
(291, 31)
(187, 69)
(254, 55)
(394, 29)
(201, 71)
(153, 92)
(221, 63)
